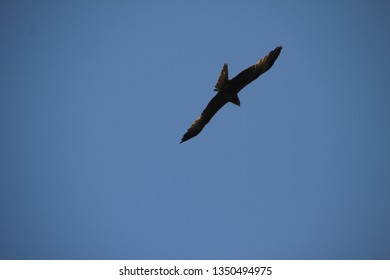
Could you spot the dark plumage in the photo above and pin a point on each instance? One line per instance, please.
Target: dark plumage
(228, 90)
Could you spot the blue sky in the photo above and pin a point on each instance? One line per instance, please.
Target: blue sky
(96, 95)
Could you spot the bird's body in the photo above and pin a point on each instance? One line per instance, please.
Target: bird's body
(227, 91)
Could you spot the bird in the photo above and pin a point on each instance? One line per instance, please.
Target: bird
(227, 90)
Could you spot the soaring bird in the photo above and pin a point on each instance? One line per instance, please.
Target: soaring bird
(227, 90)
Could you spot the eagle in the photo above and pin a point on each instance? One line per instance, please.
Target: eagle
(227, 90)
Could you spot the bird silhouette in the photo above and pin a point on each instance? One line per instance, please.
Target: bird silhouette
(227, 90)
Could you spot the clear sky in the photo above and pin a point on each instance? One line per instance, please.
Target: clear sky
(96, 95)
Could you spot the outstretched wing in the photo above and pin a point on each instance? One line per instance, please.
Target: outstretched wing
(252, 73)
(216, 103)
